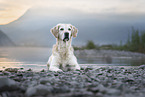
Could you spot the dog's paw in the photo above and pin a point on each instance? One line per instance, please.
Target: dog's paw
(77, 69)
(59, 70)
(55, 69)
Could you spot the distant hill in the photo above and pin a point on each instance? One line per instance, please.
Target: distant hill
(33, 28)
(5, 40)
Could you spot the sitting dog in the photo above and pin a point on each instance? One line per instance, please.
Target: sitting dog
(62, 58)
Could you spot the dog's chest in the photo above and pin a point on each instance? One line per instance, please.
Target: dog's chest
(64, 53)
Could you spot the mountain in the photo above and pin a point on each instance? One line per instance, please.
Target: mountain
(5, 40)
(33, 28)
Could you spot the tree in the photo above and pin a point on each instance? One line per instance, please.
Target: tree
(135, 40)
(142, 42)
(90, 45)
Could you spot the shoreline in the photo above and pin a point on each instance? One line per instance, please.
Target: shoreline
(44, 66)
(111, 53)
(88, 82)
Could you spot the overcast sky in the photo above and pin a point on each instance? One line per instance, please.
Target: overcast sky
(11, 10)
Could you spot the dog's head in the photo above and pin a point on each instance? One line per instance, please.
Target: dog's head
(64, 31)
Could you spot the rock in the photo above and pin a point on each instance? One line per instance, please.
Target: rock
(88, 68)
(129, 80)
(42, 70)
(101, 88)
(56, 74)
(82, 68)
(29, 69)
(113, 92)
(20, 74)
(12, 69)
(12, 76)
(6, 73)
(142, 67)
(21, 68)
(99, 95)
(7, 84)
(17, 79)
(44, 80)
(39, 90)
(94, 90)
(61, 89)
(77, 94)
(101, 82)
(76, 72)
(4, 95)
(1, 74)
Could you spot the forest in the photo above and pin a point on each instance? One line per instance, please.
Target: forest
(134, 43)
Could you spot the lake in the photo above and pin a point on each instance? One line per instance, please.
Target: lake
(37, 57)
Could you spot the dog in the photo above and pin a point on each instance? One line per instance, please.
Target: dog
(63, 58)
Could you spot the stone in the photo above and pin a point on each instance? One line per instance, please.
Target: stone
(129, 80)
(12, 69)
(101, 88)
(88, 68)
(21, 68)
(29, 69)
(39, 90)
(42, 70)
(1, 74)
(7, 84)
(94, 90)
(6, 73)
(101, 82)
(113, 92)
(142, 67)
(44, 80)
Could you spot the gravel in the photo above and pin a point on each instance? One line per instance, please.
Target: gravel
(88, 82)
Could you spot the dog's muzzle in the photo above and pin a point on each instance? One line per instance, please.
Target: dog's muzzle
(66, 37)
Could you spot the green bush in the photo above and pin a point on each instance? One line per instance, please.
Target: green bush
(135, 43)
(90, 45)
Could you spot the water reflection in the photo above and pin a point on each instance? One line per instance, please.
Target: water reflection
(37, 58)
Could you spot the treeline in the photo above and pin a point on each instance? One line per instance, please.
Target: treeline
(134, 43)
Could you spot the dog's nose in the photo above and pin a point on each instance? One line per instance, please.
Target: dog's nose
(66, 34)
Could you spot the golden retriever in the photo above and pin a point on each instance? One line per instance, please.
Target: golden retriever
(62, 58)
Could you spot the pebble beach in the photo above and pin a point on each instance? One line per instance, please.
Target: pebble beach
(88, 82)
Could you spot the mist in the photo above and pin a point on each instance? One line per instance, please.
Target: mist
(33, 28)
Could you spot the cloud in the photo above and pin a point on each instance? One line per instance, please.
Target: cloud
(10, 10)
(1, 8)
(91, 6)
(18, 7)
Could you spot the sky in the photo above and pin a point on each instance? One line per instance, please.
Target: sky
(11, 10)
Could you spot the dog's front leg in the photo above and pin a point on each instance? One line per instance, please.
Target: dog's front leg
(54, 66)
(77, 67)
(74, 63)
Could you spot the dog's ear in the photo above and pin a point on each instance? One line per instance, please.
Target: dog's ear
(74, 31)
(55, 31)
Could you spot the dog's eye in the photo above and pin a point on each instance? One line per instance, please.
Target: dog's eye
(61, 29)
(69, 29)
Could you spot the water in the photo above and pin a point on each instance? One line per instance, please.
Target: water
(36, 58)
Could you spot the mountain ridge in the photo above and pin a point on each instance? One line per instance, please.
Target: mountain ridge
(33, 28)
(5, 40)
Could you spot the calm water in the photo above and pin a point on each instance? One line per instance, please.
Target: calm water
(36, 58)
